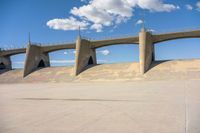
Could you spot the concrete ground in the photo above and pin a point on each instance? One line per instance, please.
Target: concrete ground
(101, 107)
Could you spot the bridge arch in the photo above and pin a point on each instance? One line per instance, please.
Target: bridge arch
(17, 60)
(174, 36)
(117, 53)
(112, 44)
(61, 58)
(116, 41)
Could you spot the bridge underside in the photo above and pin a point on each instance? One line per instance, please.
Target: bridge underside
(172, 36)
(119, 41)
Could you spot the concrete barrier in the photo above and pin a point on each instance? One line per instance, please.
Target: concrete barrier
(85, 55)
(35, 59)
(146, 49)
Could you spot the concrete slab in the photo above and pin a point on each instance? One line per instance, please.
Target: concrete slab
(118, 107)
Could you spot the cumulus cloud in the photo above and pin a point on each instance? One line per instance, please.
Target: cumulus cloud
(189, 7)
(97, 27)
(70, 23)
(198, 5)
(156, 5)
(104, 52)
(139, 22)
(97, 14)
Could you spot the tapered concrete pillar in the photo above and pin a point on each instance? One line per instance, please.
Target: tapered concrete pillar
(5, 63)
(146, 50)
(35, 59)
(85, 55)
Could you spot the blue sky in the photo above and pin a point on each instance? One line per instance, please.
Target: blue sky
(54, 21)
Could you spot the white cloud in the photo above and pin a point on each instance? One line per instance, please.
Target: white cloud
(69, 52)
(84, 1)
(92, 14)
(139, 22)
(189, 7)
(97, 27)
(198, 5)
(151, 30)
(178, 7)
(65, 53)
(156, 5)
(19, 62)
(62, 61)
(97, 14)
(102, 61)
(70, 23)
(104, 52)
(72, 61)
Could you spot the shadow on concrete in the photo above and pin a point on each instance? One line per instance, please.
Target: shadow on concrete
(4, 71)
(156, 63)
(91, 66)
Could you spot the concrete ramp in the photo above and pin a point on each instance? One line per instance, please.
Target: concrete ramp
(108, 72)
(159, 70)
(166, 70)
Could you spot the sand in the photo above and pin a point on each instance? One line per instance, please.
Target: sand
(110, 107)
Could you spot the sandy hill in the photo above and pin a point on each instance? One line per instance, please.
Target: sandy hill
(166, 70)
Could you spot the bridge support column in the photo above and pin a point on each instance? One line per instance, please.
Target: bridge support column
(146, 50)
(35, 59)
(5, 63)
(85, 55)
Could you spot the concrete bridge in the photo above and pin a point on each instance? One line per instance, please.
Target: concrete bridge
(37, 56)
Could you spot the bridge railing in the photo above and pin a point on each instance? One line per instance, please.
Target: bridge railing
(53, 44)
(107, 37)
(187, 29)
(171, 30)
(15, 47)
(11, 47)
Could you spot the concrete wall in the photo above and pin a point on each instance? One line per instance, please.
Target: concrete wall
(6, 61)
(84, 51)
(146, 49)
(34, 54)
